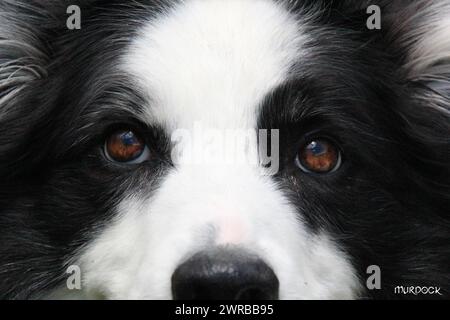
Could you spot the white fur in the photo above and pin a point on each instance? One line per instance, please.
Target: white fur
(136, 256)
(211, 62)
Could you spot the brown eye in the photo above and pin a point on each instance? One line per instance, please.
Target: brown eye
(126, 146)
(319, 156)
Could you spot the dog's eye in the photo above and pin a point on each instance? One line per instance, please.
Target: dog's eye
(126, 146)
(319, 156)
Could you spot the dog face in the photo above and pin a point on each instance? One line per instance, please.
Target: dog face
(132, 149)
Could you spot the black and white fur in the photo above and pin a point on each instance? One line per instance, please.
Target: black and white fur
(298, 66)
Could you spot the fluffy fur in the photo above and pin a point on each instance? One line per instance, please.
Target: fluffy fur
(302, 67)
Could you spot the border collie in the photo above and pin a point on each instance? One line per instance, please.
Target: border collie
(100, 173)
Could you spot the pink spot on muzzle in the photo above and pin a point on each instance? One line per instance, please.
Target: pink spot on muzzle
(231, 230)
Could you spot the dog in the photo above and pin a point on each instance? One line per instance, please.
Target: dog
(101, 181)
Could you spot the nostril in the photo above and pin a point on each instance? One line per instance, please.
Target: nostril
(224, 273)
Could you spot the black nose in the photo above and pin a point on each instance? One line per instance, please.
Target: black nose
(224, 274)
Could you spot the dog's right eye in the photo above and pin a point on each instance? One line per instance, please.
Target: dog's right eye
(126, 146)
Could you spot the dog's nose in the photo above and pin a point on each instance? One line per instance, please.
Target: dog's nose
(224, 274)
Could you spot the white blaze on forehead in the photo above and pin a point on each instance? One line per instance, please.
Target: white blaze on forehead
(213, 61)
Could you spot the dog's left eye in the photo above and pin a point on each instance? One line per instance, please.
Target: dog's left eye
(126, 146)
(319, 156)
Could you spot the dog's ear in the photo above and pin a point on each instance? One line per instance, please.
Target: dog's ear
(23, 48)
(30, 37)
(26, 31)
(421, 28)
(417, 32)
(23, 61)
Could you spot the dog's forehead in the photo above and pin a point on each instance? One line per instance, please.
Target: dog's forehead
(213, 61)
